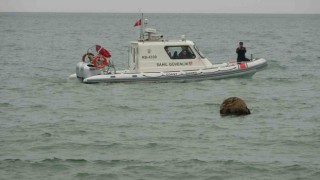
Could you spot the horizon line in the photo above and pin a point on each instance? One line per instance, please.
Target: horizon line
(129, 12)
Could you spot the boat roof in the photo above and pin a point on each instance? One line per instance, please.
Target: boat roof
(150, 37)
(165, 42)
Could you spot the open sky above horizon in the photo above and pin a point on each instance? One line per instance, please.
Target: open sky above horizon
(164, 6)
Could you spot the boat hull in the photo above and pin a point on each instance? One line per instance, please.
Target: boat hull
(218, 71)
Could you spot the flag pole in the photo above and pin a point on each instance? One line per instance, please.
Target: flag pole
(142, 28)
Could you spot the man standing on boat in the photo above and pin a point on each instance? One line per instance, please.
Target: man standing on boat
(241, 51)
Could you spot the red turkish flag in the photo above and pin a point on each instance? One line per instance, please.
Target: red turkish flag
(138, 23)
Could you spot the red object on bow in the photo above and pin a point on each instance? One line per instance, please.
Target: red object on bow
(102, 51)
(138, 23)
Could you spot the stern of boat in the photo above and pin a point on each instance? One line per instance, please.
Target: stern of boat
(85, 70)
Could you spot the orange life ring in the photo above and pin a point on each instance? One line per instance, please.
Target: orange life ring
(97, 61)
(85, 55)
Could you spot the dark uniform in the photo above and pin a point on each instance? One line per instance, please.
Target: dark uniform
(241, 51)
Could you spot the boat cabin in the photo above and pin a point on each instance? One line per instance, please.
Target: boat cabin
(154, 54)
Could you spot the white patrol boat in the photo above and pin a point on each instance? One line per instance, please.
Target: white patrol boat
(155, 59)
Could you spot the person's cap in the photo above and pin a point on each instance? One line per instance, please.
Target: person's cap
(241, 43)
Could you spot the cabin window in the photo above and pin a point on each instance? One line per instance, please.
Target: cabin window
(199, 52)
(179, 52)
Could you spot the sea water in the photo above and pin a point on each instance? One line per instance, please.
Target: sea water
(52, 127)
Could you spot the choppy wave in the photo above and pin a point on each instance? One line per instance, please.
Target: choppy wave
(275, 65)
(132, 169)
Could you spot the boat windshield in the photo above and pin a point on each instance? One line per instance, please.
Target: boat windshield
(199, 52)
